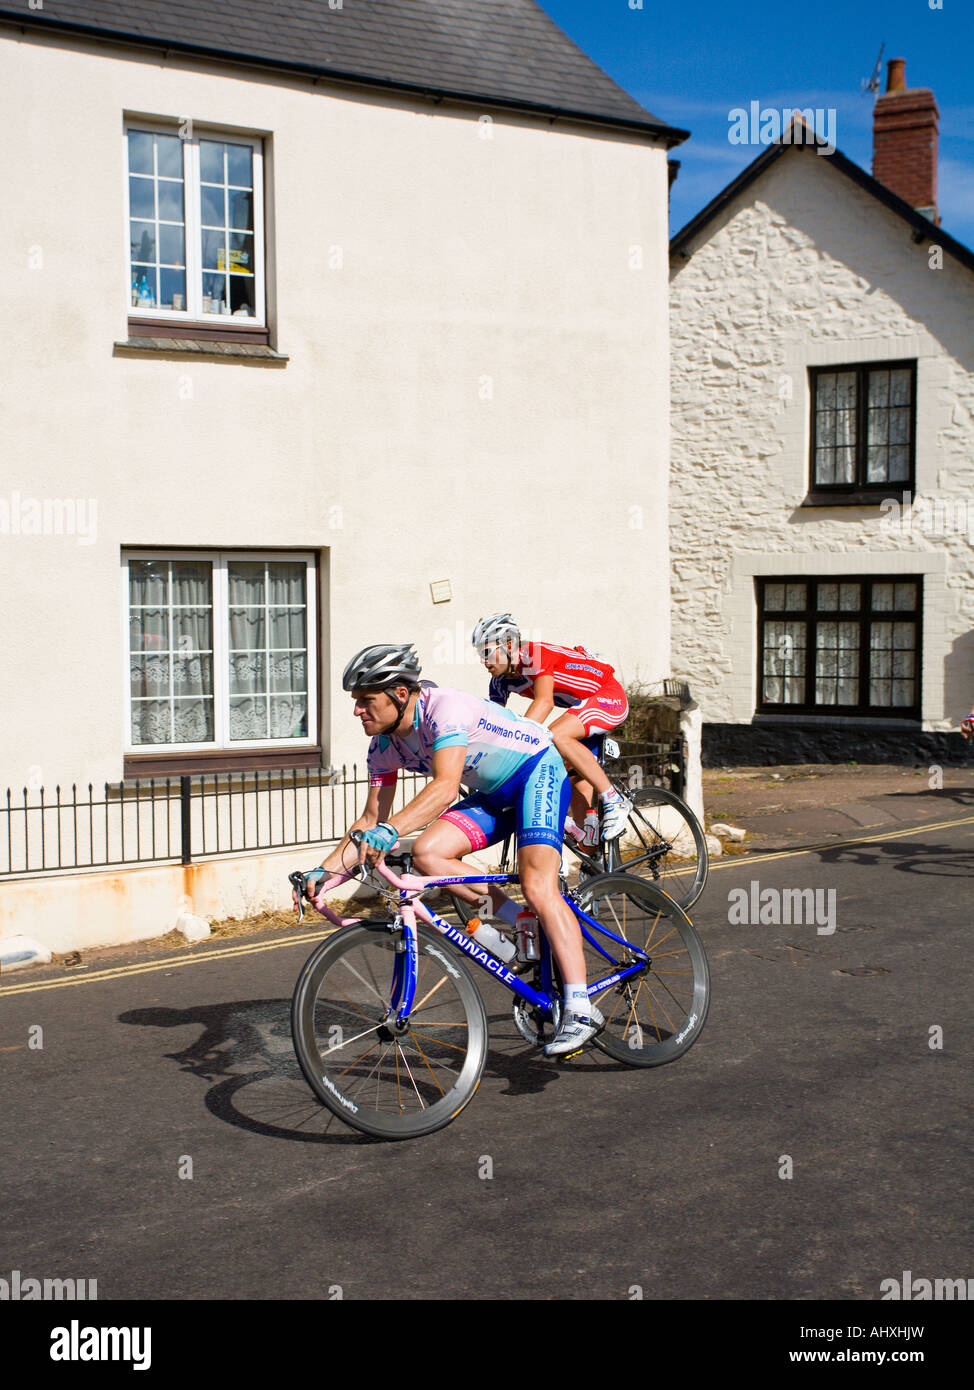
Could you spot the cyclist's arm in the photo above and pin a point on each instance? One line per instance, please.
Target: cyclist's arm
(437, 796)
(378, 804)
(543, 700)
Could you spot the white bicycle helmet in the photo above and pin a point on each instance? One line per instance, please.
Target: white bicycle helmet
(495, 631)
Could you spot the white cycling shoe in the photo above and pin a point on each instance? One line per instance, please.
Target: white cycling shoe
(575, 1031)
(615, 816)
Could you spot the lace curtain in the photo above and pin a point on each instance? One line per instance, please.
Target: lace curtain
(171, 627)
(268, 650)
(171, 619)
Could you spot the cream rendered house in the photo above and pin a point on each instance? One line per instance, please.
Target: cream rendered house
(327, 324)
(334, 324)
(822, 492)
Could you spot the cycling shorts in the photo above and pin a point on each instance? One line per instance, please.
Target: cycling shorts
(602, 712)
(532, 804)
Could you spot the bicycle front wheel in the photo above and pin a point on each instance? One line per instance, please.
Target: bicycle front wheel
(663, 844)
(390, 1082)
(654, 1016)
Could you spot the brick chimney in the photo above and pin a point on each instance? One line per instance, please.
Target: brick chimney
(905, 141)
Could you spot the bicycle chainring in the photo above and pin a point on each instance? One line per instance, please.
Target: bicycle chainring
(532, 1028)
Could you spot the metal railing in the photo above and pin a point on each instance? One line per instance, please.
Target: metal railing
(180, 819)
(647, 763)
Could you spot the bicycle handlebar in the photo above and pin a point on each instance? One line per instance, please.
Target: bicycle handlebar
(404, 882)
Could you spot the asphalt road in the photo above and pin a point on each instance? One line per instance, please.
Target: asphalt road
(816, 1061)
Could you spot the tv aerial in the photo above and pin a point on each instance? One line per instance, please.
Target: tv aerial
(872, 84)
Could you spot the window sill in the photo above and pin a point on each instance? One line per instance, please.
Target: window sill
(219, 760)
(199, 347)
(854, 499)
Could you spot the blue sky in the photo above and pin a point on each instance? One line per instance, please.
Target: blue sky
(690, 62)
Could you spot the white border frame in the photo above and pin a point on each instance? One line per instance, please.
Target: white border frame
(221, 691)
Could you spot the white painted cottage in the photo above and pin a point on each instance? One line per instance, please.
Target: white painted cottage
(822, 489)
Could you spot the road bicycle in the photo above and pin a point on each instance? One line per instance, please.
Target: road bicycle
(663, 843)
(390, 1028)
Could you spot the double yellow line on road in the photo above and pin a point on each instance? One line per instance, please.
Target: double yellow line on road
(733, 859)
(169, 963)
(305, 938)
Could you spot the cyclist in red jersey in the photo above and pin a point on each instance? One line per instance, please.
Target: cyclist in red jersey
(573, 679)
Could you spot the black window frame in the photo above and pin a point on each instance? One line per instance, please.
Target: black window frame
(864, 615)
(861, 490)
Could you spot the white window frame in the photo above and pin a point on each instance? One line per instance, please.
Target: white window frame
(193, 313)
(220, 559)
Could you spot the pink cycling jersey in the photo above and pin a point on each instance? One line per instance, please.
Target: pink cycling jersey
(498, 742)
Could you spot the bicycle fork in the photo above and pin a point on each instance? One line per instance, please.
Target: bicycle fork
(406, 969)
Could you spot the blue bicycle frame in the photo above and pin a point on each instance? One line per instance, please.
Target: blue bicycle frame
(405, 974)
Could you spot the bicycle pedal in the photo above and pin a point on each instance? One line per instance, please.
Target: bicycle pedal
(567, 1056)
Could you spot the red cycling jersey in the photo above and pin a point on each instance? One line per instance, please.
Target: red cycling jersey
(582, 683)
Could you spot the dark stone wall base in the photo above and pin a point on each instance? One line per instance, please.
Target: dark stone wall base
(764, 745)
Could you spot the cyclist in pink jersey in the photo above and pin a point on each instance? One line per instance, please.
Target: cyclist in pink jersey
(517, 785)
(572, 679)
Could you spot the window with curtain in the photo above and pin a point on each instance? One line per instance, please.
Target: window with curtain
(863, 428)
(844, 645)
(220, 650)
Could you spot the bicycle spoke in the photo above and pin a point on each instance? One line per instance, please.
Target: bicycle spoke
(410, 1074)
(362, 980)
(347, 1042)
(440, 1041)
(419, 1004)
(430, 1069)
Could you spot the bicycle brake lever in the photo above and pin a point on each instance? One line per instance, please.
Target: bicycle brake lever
(299, 883)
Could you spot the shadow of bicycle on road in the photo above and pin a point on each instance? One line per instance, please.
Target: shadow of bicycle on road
(960, 796)
(245, 1053)
(905, 856)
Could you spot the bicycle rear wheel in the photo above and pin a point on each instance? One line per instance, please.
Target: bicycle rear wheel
(387, 1082)
(663, 844)
(653, 1017)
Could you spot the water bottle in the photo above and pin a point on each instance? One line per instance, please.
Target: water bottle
(574, 831)
(526, 930)
(591, 833)
(491, 939)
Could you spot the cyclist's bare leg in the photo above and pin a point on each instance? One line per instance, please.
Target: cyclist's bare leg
(566, 734)
(581, 799)
(538, 867)
(438, 854)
